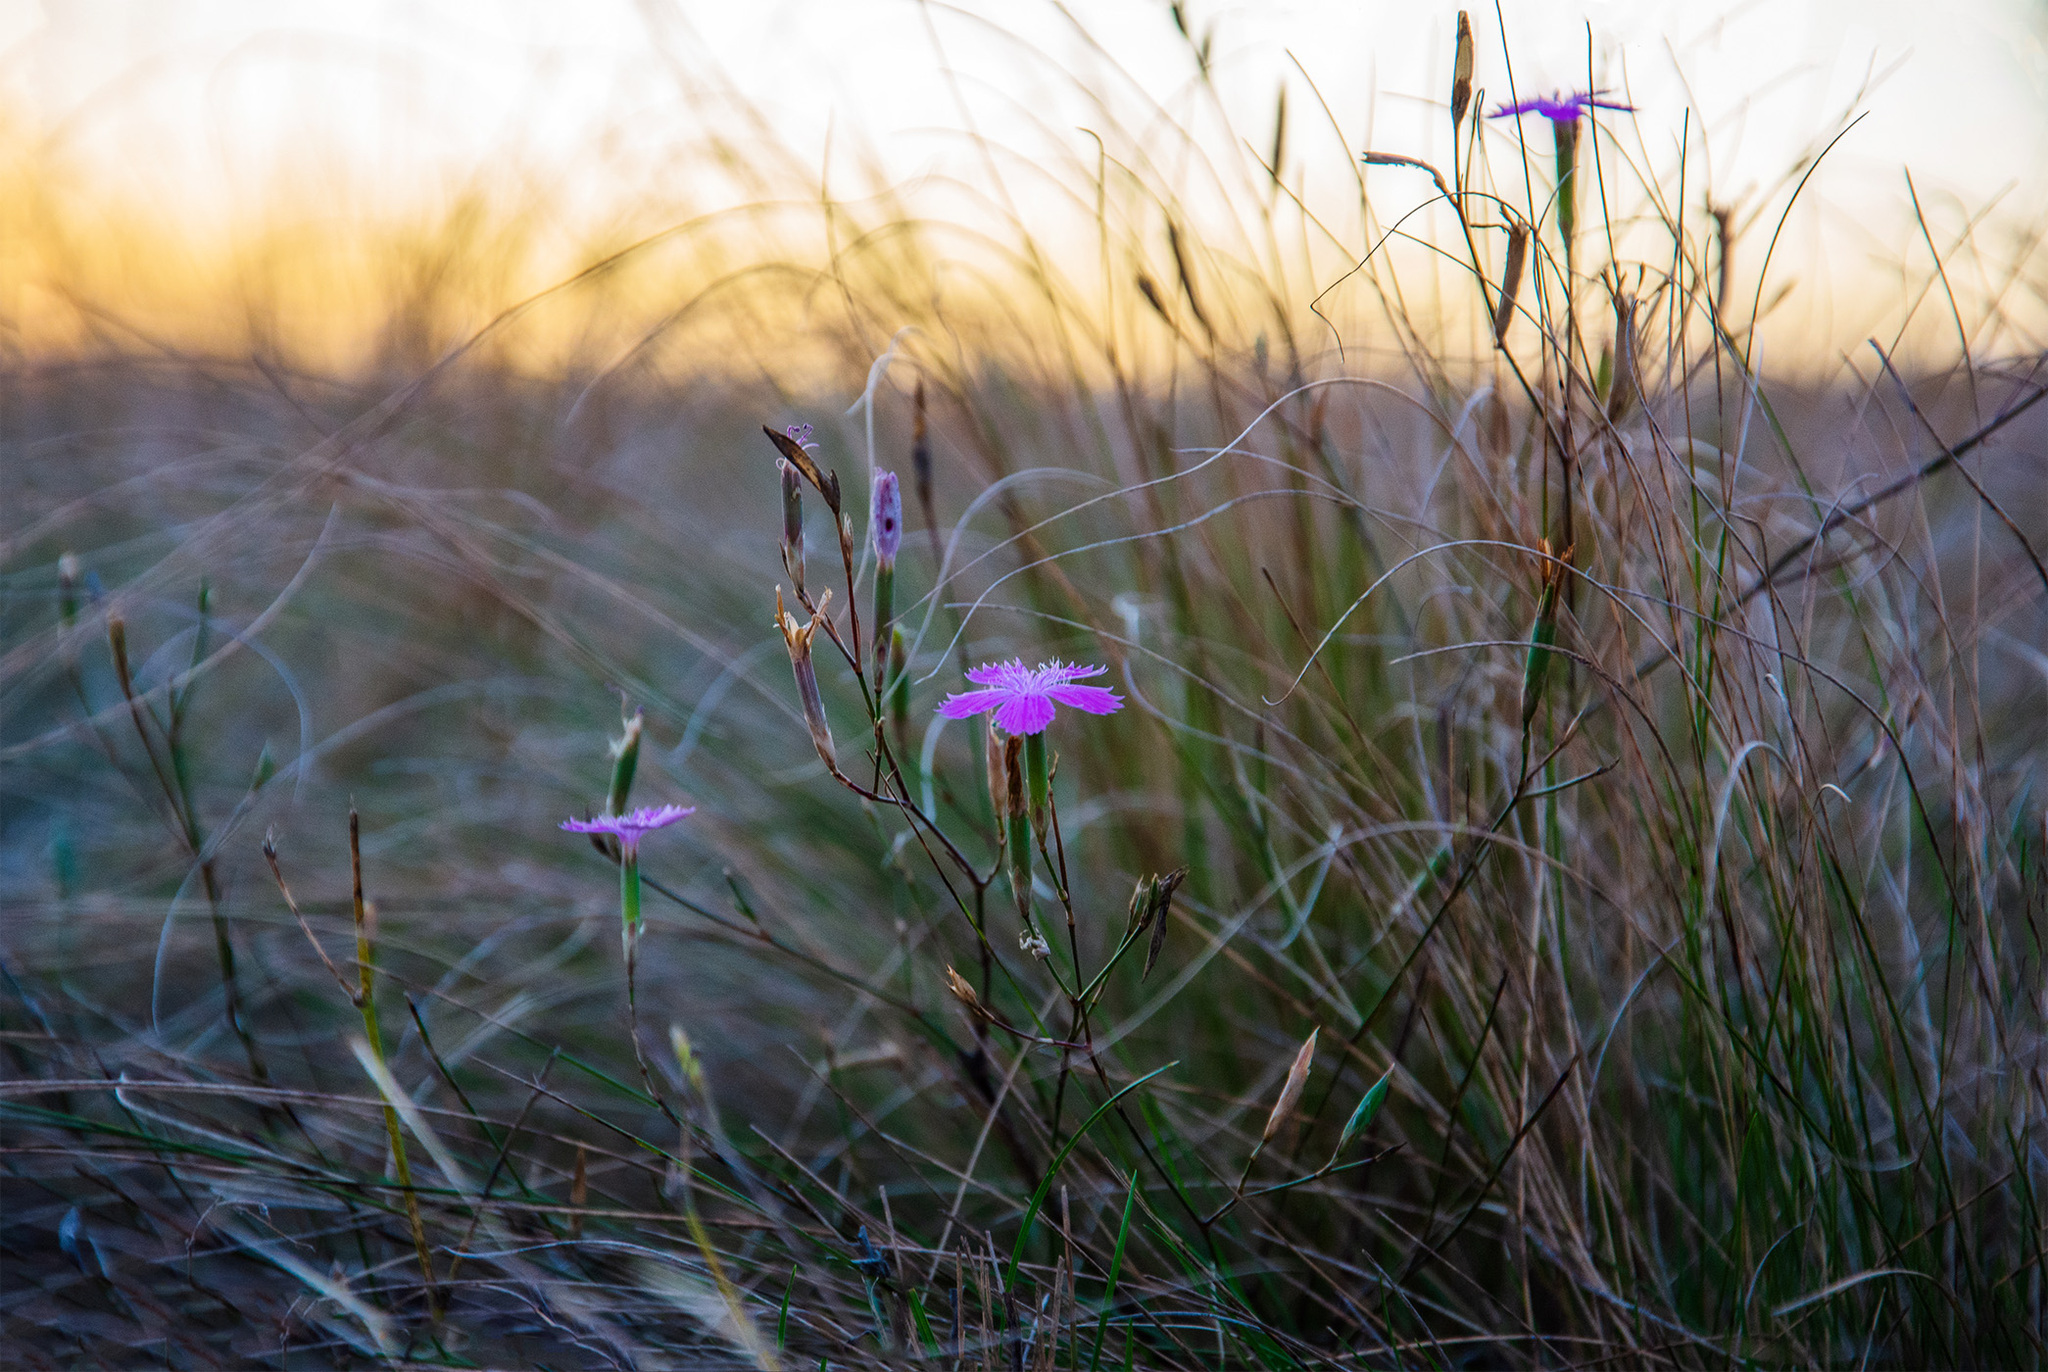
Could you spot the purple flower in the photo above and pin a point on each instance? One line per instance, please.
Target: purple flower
(800, 434)
(888, 518)
(630, 829)
(1560, 109)
(1023, 699)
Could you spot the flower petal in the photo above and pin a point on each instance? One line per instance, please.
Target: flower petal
(1057, 673)
(1008, 674)
(973, 702)
(1096, 700)
(1024, 714)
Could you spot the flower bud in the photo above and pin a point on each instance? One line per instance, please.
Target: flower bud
(792, 521)
(887, 522)
(798, 639)
(625, 750)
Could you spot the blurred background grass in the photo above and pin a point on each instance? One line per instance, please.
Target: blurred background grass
(1721, 1042)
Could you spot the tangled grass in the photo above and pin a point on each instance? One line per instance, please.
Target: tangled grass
(1608, 780)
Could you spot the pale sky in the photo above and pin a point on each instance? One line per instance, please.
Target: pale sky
(199, 107)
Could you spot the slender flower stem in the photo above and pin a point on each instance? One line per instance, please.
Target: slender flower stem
(366, 1001)
(885, 619)
(629, 938)
(629, 901)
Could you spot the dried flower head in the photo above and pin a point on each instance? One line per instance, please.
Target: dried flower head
(1023, 698)
(963, 992)
(630, 829)
(797, 636)
(887, 522)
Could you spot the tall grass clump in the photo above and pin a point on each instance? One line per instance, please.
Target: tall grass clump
(1314, 782)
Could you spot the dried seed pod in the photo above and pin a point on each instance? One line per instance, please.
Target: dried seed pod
(792, 521)
(963, 992)
(827, 482)
(1290, 1090)
(1141, 907)
(998, 775)
(798, 639)
(1461, 74)
(1624, 393)
(1013, 777)
(1159, 904)
(1510, 281)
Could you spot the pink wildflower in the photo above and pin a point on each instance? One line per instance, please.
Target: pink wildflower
(1023, 699)
(1560, 109)
(630, 829)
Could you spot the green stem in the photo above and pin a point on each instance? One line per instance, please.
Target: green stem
(1020, 866)
(1037, 778)
(629, 939)
(885, 617)
(629, 900)
(1566, 149)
